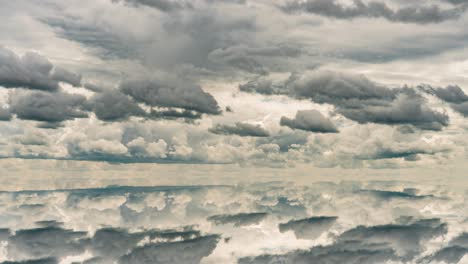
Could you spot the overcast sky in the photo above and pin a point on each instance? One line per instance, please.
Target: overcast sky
(312, 86)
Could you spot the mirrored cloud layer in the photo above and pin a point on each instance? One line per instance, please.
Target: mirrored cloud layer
(369, 222)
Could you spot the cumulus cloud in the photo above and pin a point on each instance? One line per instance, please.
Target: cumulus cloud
(309, 120)
(31, 71)
(113, 106)
(356, 98)
(308, 228)
(166, 94)
(405, 109)
(359, 9)
(47, 107)
(241, 129)
(242, 219)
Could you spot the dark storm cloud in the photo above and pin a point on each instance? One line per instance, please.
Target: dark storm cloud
(389, 195)
(405, 109)
(241, 129)
(114, 106)
(350, 252)
(407, 239)
(308, 228)
(356, 98)
(4, 234)
(47, 107)
(167, 94)
(453, 95)
(5, 114)
(452, 254)
(461, 240)
(188, 115)
(111, 243)
(242, 219)
(309, 120)
(62, 75)
(34, 261)
(411, 14)
(163, 5)
(461, 108)
(31, 71)
(187, 251)
(45, 242)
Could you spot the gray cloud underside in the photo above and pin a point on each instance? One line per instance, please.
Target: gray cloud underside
(411, 14)
(356, 98)
(163, 5)
(453, 95)
(47, 107)
(240, 129)
(308, 228)
(32, 71)
(242, 219)
(43, 245)
(166, 94)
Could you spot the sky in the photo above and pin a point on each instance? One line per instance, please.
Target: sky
(97, 92)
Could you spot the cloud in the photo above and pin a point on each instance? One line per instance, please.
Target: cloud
(162, 5)
(405, 109)
(100, 149)
(453, 95)
(452, 254)
(389, 195)
(33, 261)
(112, 105)
(166, 94)
(242, 219)
(407, 240)
(309, 120)
(47, 107)
(241, 129)
(45, 243)
(308, 228)
(5, 114)
(359, 9)
(62, 75)
(373, 244)
(31, 71)
(334, 254)
(356, 98)
(187, 251)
